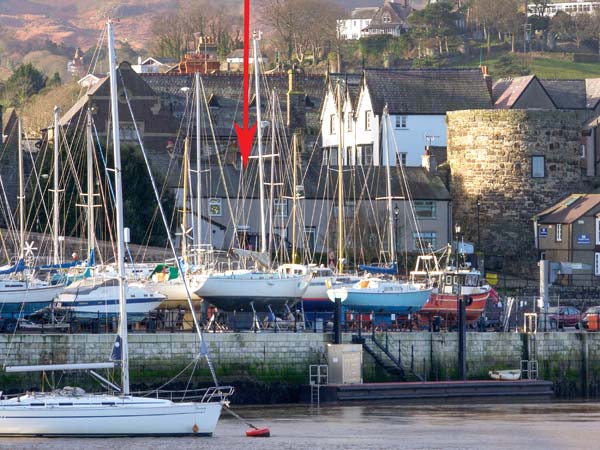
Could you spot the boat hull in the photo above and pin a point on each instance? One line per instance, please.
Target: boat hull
(175, 294)
(121, 418)
(23, 298)
(137, 309)
(240, 293)
(392, 302)
(446, 306)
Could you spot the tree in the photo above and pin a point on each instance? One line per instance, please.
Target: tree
(575, 28)
(25, 81)
(302, 28)
(437, 22)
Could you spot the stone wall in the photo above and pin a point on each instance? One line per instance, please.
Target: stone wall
(489, 153)
(570, 360)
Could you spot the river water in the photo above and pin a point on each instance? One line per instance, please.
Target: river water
(560, 426)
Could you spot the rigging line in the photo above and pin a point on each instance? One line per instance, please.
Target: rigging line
(105, 199)
(165, 223)
(212, 130)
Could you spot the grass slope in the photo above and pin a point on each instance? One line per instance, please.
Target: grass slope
(548, 66)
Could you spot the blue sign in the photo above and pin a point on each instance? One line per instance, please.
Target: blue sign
(584, 239)
(543, 231)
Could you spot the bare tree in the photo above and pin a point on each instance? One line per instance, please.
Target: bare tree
(301, 27)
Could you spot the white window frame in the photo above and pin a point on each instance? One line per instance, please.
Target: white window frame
(218, 204)
(332, 124)
(597, 264)
(558, 234)
(597, 230)
(425, 205)
(368, 120)
(401, 158)
(427, 237)
(401, 122)
(280, 207)
(349, 124)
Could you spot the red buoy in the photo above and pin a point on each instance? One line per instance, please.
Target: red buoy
(258, 432)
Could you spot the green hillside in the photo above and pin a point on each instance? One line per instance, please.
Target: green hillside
(547, 66)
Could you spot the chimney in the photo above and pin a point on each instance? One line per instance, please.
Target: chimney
(429, 161)
(488, 80)
(296, 114)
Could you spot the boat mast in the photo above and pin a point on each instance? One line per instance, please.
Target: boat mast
(261, 175)
(272, 179)
(294, 193)
(90, 185)
(340, 159)
(390, 212)
(198, 234)
(186, 153)
(21, 192)
(55, 206)
(118, 209)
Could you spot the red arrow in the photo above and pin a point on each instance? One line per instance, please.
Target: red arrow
(245, 135)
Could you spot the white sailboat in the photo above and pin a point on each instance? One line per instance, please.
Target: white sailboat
(260, 289)
(71, 411)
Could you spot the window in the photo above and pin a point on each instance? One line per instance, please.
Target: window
(425, 209)
(401, 159)
(325, 159)
(281, 208)
(309, 238)
(597, 264)
(367, 120)
(349, 122)
(367, 155)
(538, 169)
(386, 18)
(558, 235)
(400, 121)
(425, 240)
(332, 124)
(597, 231)
(214, 207)
(582, 151)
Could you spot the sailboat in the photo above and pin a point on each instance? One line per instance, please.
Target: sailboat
(71, 411)
(261, 289)
(20, 292)
(378, 294)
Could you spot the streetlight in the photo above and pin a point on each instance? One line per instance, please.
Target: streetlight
(460, 313)
(396, 215)
(478, 204)
(457, 237)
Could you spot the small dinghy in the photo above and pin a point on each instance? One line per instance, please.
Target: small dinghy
(258, 432)
(505, 375)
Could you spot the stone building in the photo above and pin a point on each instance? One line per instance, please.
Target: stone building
(512, 163)
(9, 187)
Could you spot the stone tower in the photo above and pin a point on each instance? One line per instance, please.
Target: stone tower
(490, 154)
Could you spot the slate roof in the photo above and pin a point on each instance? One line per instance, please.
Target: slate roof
(351, 83)
(592, 89)
(567, 94)
(226, 92)
(366, 12)
(427, 91)
(364, 182)
(507, 91)
(570, 209)
(398, 15)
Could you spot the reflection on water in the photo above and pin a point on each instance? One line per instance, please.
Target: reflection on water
(561, 426)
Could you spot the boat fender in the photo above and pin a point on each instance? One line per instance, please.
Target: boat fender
(195, 428)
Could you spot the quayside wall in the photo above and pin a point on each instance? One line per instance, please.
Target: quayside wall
(271, 366)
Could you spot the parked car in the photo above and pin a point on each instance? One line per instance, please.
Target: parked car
(591, 311)
(563, 316)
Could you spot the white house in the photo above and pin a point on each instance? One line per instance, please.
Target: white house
(571, 8)
(351, 27)
(417, 101)
(152, 65)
